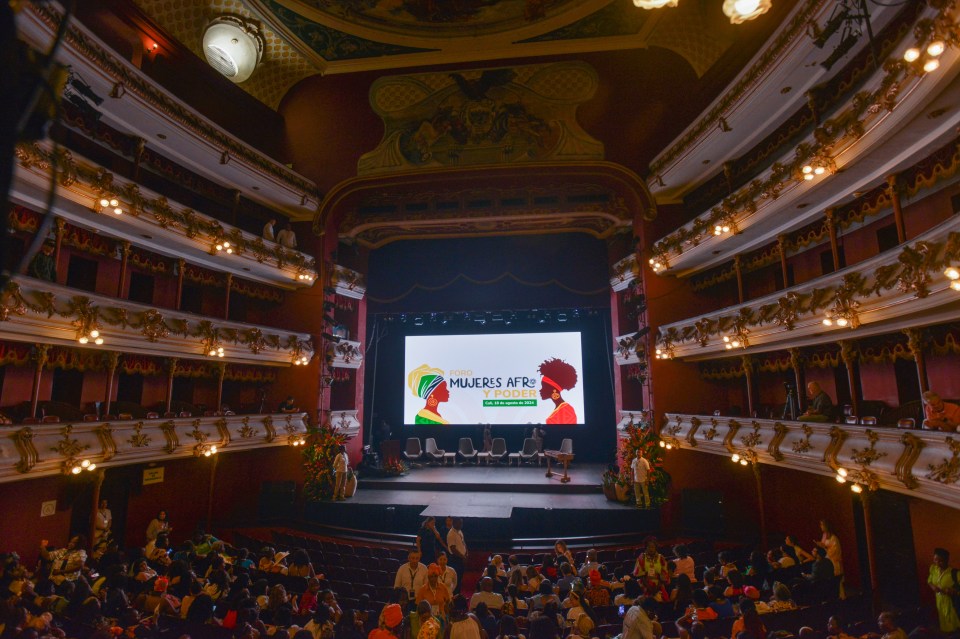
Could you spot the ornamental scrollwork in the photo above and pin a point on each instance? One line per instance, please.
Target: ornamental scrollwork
(246, 430)
(803, 445)
(751, 440)
(916, 264)
(23, 440)
(152, 325)
(789, 308)
(947, 471)
(712, 431)
(867, 456)
(139, 439)
(68, 446)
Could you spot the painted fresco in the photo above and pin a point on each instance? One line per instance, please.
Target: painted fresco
(484, 117)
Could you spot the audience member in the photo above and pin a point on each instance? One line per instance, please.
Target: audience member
(589, 564)
(748, 621)
(486, 595)
(286, 237)
(822, 567)
(651, 565)
(158, 525)
(938, 414)
(943, 582)
(268, 232)
(412, 575)
(429, 541)
(684, 564)
(463, 624)
(435, 591)
(457, 547)
(447, 574)
(820, 408)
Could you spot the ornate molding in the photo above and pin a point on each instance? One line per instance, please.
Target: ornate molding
(23, 440)
(780, 431)
(912, 446)
(694, 426)
(803, 445)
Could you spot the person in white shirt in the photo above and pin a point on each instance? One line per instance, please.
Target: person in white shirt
(458, 549)
(102, 523)
(487, 596)
(641, 473)
(591, 563)
(340, 464)
(286, 237)
(412, 575)
(447, 574)
(268, 230)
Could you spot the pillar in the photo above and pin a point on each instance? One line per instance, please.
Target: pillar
(226, 301)
(113, 359)
(849, 354)
(865, 499)
(738, 269)
(761, 510)
(213, 482)
(171, 367)
(124, 265)
(747, 363)
(834, 243)
(97, 484)
(796, 361)
(782, 246)
(61, 225)
(40, 360)
(915, 342)
(221, 373)
(897, 208)
(182, 265)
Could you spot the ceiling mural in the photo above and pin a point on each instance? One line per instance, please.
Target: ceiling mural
(402, 16)
(482, 117)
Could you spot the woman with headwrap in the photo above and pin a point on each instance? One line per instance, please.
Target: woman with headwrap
(428, 383)
(557, 376)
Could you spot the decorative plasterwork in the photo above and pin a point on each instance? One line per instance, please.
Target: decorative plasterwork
(900, 283)
(598, 198)
(632, 417)
(507, 115)
(136, 104)
(344, 354)
(41, 449)
(34, 310)
(346, 422)
(891, 97)
(347, 282)
(625, 272)
(890, 457)
(153, 221)
(629, 349)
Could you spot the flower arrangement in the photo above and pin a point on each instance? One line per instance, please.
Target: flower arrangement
(640, 437)
(395, 467)
(323, 443)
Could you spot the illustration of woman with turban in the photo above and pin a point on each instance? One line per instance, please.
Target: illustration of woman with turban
(428, 383)
(557, 376)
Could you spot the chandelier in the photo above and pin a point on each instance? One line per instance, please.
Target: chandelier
(738, 11)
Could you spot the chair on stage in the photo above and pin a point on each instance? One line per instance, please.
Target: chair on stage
(566, 446)
(498, 450)
(529, 452)
(431, 451)
(413, 452)
(466, 450)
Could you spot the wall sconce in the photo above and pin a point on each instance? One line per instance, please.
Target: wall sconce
(296, 440)
(223, 246)
(952, 273)
(204, 450)
(74, 467)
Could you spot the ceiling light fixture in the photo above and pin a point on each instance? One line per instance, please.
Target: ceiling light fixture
(233, 47)
(654, 4)
(740, 11)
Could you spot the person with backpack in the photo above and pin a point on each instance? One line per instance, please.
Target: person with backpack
(943, 581)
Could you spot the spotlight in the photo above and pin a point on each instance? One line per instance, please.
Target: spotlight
(912, 54)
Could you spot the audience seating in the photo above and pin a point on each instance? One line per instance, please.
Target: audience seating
(907, 422)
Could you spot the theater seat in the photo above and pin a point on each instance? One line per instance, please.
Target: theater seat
(431, 451)
(466, 450)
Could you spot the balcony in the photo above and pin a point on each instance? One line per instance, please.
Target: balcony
(152, 221)
(136, 105)
(33, 310)
(901, 288)
(871, 458)
(344, 353)
(55, 449)
(896, 118)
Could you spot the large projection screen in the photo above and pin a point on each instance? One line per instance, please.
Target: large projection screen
(493, 379)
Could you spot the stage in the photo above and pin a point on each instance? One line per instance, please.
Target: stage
(500, 505)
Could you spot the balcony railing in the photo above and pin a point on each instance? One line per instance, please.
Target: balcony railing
(34, 310)
(920, 463)
(53, 449)
(152, 221)
(897, 289)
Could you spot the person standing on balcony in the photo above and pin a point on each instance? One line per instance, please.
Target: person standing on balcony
(268, 233)
(286, 237)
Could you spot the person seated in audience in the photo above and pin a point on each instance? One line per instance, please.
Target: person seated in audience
(218, 584)
(938, 414)
(560, 549)
(749, 621)
(487, 621)
(781, 601)
(412, 575)
(682, 594)
(310, 597)
(463, 624)
(565, 582)
(160, 553)
(639, 622)
(709, 578)
(435, 591)
(720, 604)
(651, 565)
(820, 408)
(329, 599)
(734, 589)
(507, 628)
(631, 592)
(144, 572)
(298, 564)
(195, 590)
(278, 597)
(423, 623)
(513, 603)
(684, 564)
(548, 567)
(836, 629)
(792, 548)
(942, 580)
(320, 625)
(513, 567)
(486, 595)
(589, 564)
(574, 607)
(887, 623)
(499, 583)
(543, 596)
(822, 567)
(542, 627)
(350, 626)
(65, 563)
(597, 592)
(582, 627)
(447, 574)
(779, 560)
(699, 609)
(201, 611)
(533, 580)
(497, 562)
(726, 563)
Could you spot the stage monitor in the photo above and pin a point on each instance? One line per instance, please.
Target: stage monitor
(511, 378)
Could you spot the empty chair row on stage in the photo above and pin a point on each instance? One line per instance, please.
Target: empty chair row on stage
(467, 453)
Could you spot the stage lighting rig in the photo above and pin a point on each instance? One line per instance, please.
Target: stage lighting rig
(851, 18)
(841, 13)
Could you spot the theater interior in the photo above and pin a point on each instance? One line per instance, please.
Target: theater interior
(730, 206)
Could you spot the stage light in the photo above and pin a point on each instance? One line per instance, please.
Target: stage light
(912, 54)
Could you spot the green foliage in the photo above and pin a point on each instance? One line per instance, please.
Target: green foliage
(323, 443)
(642, 438)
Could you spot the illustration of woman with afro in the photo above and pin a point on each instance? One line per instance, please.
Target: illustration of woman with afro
(557, 376)
(428, 383)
